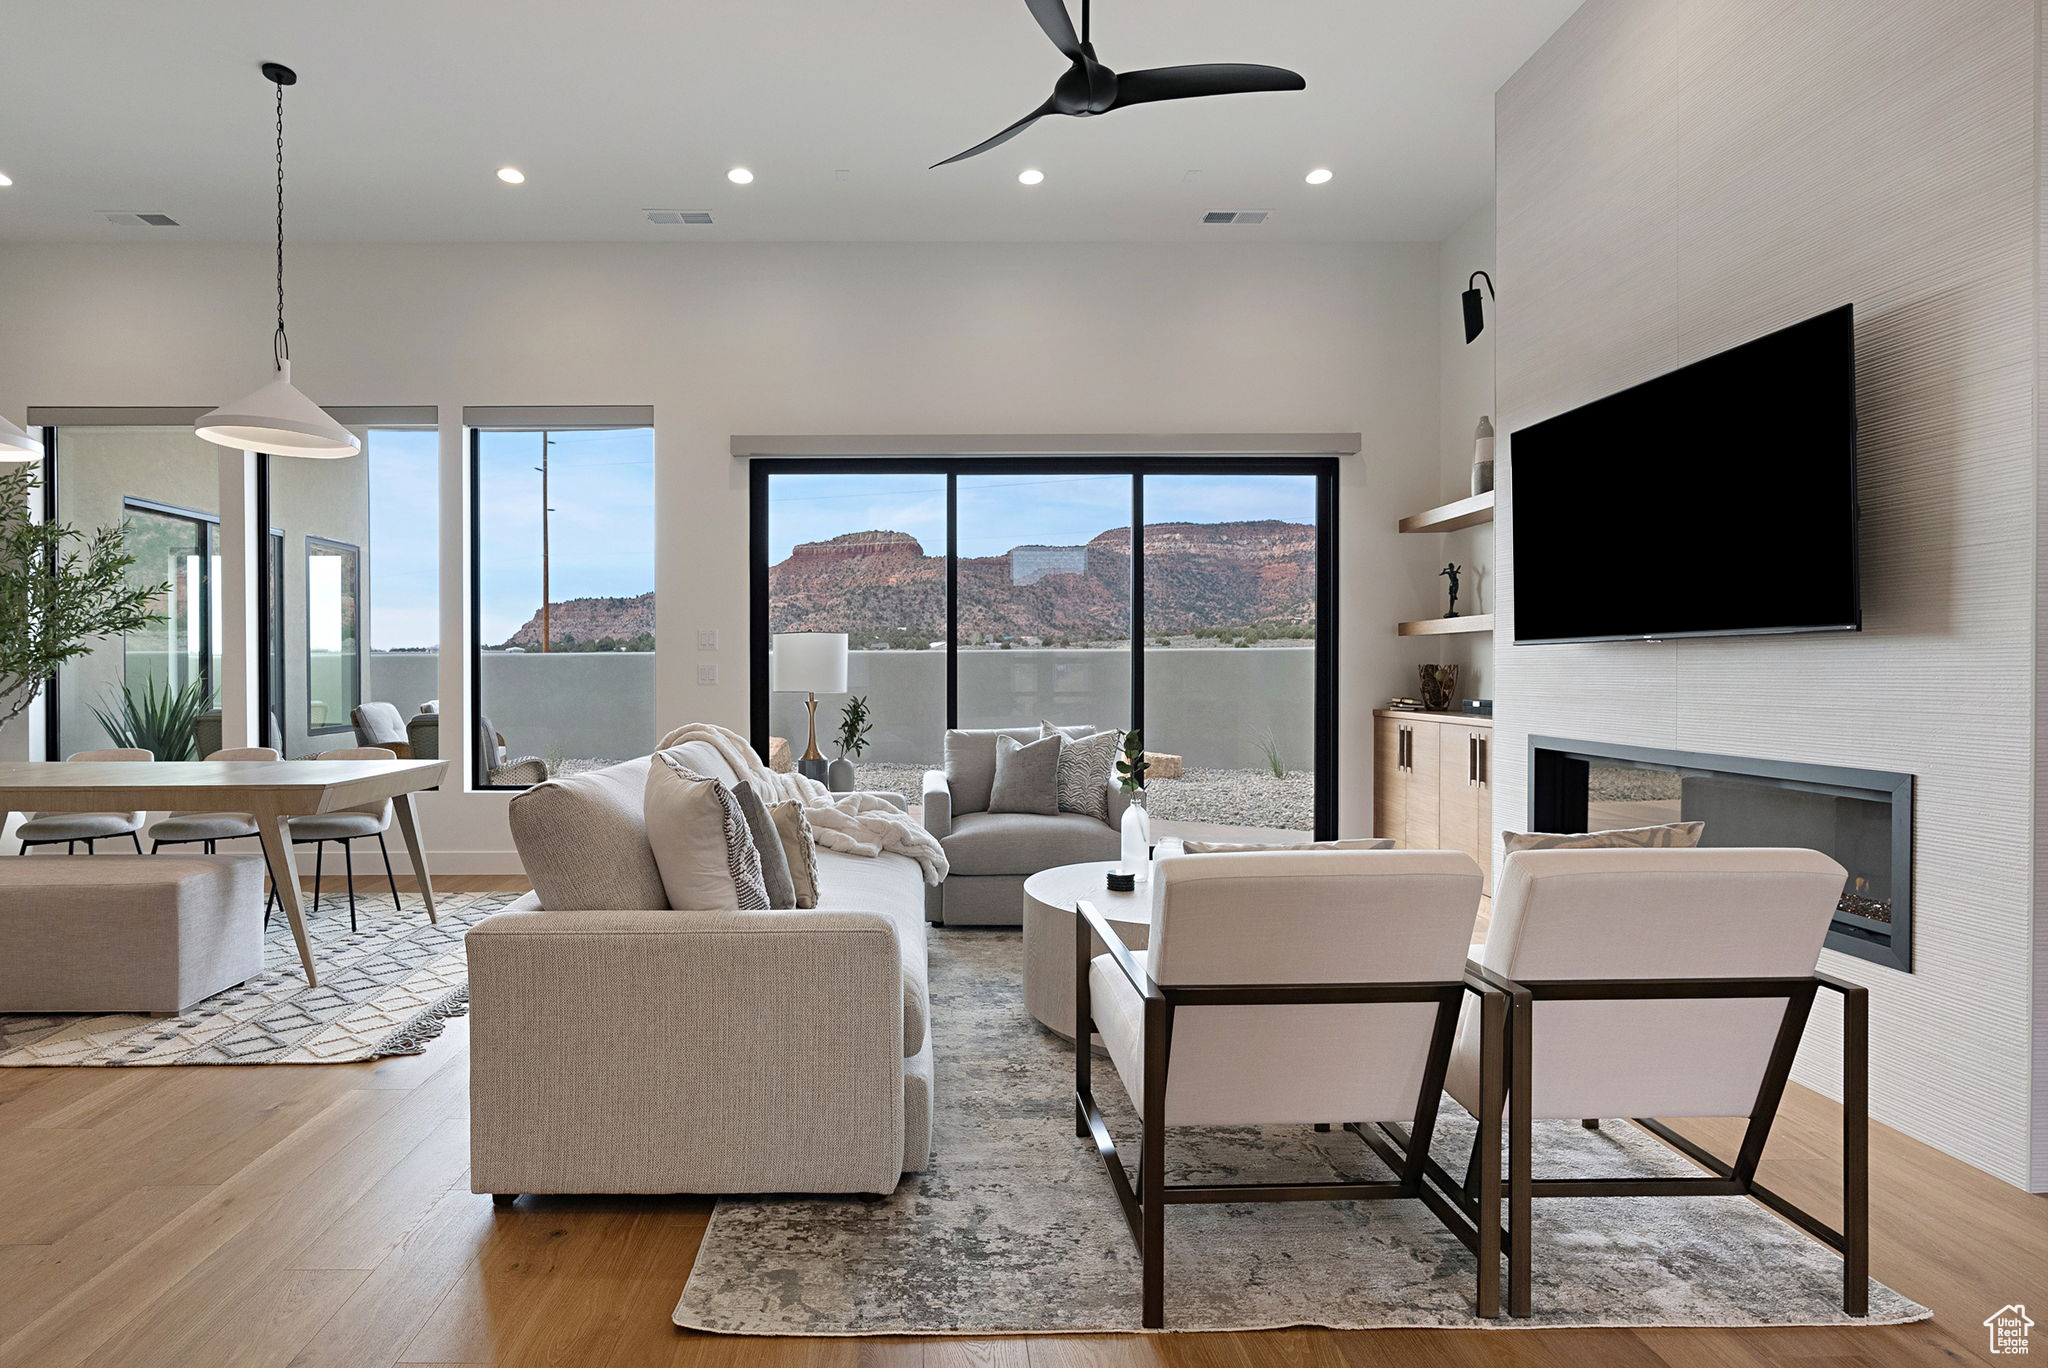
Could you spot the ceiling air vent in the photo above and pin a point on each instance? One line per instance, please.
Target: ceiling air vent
(137, 218)
(1236, 216)
(695, 217)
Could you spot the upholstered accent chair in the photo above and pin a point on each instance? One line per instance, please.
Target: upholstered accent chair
(381, 724)
(1664, 982)
(992, 853)
(1285, 988)
(71, 829)
(207, 829)
(344, 826)
(423, 731)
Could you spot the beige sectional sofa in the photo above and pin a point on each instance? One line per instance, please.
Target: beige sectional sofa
(648, 1050)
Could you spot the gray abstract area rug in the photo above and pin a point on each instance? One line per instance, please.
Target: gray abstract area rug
(386, 989)
(1013, 1228)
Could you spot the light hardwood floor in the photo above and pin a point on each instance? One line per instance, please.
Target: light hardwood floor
(320, 1217)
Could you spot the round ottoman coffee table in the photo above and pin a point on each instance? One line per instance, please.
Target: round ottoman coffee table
(1050, 897)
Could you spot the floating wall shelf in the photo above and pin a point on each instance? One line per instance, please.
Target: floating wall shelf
(1471, 622)
(1452, 517)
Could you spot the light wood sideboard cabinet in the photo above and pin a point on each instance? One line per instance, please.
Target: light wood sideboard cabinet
(1433, 783)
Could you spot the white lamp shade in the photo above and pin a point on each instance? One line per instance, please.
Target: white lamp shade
(17, 446)
(280, 420)
(810, 662)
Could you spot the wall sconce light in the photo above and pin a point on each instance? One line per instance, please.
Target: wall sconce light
(1475, 321)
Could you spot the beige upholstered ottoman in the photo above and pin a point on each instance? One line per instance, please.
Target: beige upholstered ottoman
(127, 933)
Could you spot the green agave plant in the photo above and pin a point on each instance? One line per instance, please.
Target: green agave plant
(159, 720)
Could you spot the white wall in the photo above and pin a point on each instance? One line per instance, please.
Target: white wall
(795, 339)
(1677, 176)
(1464, 392)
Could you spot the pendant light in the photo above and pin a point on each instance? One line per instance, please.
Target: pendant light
(16, 446)
(277, 418)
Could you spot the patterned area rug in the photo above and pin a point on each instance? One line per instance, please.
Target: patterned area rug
(386, 989)
(1014, 1228)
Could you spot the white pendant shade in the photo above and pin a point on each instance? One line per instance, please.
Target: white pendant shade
(280, 420)
(17, 446)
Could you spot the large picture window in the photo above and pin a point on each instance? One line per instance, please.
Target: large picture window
(334, 658)
(1188, 597)
(563, 613)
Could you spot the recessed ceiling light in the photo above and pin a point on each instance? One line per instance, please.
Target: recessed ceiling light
(739, 175)
(1030, 177)
(1322, 175)
(6, 179)
(511, 175)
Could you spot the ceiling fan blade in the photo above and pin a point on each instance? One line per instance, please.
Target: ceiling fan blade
(999, 139)
(1058, 25)
(1214, 78)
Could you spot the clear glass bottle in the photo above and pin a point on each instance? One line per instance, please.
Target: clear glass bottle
(1137, 832)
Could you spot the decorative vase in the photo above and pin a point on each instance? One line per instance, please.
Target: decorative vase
(1137, 830)
(1439, 686)
(1482, 456)
(839, 775)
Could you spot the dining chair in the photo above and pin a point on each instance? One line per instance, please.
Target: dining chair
(69, 828)
(343, 827)
(206, 828)
(1649, 983)
(1285, 988)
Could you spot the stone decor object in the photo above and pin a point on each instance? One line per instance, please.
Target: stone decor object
(1439, 686)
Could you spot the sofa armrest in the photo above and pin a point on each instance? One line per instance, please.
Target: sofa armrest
(668, 1051)
(938, 804)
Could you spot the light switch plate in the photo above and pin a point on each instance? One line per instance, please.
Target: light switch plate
(707, 638)
(707, 674)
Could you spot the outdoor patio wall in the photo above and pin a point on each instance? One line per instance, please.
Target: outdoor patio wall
(591, 705)
(1211, 706)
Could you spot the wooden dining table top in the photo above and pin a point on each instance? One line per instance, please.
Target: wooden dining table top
(300, 786)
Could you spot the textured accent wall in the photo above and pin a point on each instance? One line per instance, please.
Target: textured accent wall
(1675, 178)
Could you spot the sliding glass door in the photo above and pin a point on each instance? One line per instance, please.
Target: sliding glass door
(1187, 597)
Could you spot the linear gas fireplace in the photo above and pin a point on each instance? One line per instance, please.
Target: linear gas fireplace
(1863, 818)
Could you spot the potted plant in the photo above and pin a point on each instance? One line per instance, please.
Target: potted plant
(854, 727)
(1137, 823)
(158, 720)
(61, 590)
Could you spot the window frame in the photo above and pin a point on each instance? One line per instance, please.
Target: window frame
(1324, 469)
(355, 582)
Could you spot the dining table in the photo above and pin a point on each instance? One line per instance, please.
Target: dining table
(272, 792)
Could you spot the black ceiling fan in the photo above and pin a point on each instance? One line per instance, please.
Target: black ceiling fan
(1089, 87)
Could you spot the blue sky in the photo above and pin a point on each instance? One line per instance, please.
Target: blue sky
(998, 512)
(601, 486)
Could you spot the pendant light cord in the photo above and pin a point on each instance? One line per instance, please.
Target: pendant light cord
(280, 348)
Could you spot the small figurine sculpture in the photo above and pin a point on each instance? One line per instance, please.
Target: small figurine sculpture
(1452, 572)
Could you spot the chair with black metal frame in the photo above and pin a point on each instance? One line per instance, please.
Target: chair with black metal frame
(1663, 982)
(69, 829)
(343, 827)
(1359, 957)
(207, 829)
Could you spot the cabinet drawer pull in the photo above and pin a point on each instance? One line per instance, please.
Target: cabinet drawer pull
(1471, 759)
(1485, 759)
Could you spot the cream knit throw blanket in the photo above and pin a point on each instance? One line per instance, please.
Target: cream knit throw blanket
(856, 823)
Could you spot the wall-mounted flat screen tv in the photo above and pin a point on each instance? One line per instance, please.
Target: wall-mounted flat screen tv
(1717, 500)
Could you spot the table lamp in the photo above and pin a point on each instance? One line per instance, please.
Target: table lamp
(810, 663)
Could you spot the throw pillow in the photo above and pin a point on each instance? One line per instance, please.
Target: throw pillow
(1232, 847)
(1085, 764)
(701, 843)
(1027, 776)
(1684, 835)
(582, 840)
(775, 876)
(793, 830)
